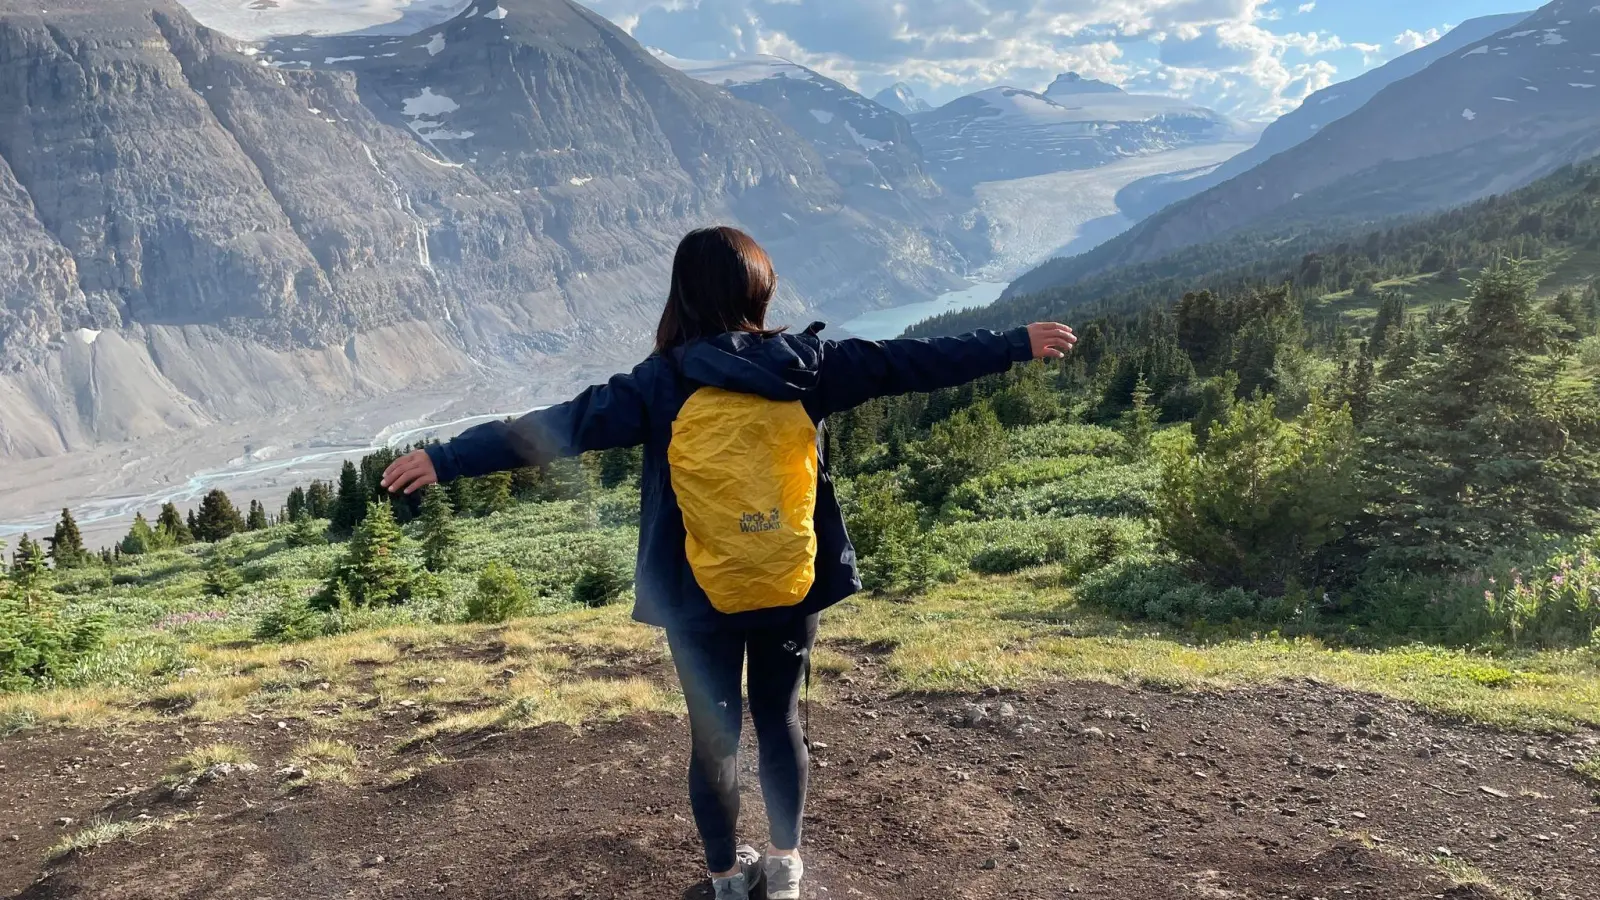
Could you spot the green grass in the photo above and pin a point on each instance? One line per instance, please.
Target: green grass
(200, 759)
(103, 832)
(1012, 632)
(1589, 768)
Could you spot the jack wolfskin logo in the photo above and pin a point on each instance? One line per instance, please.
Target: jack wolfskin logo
(756, 523)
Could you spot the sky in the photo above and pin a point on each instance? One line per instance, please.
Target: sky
(1255, 59)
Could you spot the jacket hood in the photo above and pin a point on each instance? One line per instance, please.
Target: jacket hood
(784, 367)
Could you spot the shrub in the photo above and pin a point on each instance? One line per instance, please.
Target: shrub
(878, 513)
(291, 620)
(38, 644)
(618, 508)
(1254, 507)
(967, 444)
(603, 579)
(221, 579)
(1141, 588)
(1007, 558)
(308, 532)
(501, 595)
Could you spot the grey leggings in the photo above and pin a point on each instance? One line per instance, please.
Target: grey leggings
(709, 665)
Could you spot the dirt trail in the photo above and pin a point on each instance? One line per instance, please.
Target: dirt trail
(1301, 791)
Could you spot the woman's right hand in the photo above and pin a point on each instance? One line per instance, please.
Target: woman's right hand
(1051, 340)
(410, 473)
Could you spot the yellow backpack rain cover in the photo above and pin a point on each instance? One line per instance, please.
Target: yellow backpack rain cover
(745, 472)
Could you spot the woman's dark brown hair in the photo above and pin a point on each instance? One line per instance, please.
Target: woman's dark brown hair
(722, 281)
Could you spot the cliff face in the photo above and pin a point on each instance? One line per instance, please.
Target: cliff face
(244, 228)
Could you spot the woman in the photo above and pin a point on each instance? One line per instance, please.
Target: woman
(713, 342)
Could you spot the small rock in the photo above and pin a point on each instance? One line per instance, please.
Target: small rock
(283, 725)
(1093, 734)
(1007, 711)
(289, 773)
(991, 692)
(1296, 759)
(1494, 793)
(439, 681)
(818, 745)
(989, 864)
(1443, 851)
(1532, 754)
(408, 704)
(13, 837)
(1014, 844)
(882, 755)
(1362, 720)
(973, 715)
(375, 861)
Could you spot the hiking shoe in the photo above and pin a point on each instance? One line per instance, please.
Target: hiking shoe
(782, 874)
(742, 885)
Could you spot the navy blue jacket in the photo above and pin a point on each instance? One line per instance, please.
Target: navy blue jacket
(638, 409)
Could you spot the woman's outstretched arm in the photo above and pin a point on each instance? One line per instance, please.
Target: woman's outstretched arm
(855, 371)
(605, 416)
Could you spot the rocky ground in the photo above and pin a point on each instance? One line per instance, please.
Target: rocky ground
(1299, 791)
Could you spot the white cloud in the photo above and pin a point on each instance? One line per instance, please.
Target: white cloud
(1409, 40)
(1307, 7)
(1217, 52)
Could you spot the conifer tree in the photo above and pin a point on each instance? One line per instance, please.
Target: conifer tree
(1139, 422)
(28, 566)
(141, 537)
(463, 493)
(438, 530)
(221, 580)
(258, 517)
(351, 504)
(319, 500)
(295, 507)
(66, 546)
(497, 493)
(308, 532)
(1475, 443)
(374, 570)
(171, 530)
(218, 519)
(193, 524)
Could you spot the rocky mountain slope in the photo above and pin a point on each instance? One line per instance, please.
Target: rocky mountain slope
(1326, 106)
(1484, 120)
(193, 230)
(901, 98)
(1004, 133)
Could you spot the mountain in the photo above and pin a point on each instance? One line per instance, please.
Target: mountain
(1317, 112)
(196, 230)
(1004, 133)
(1072, 84)
(863, 143)
(1483, 120)
(902, 99)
